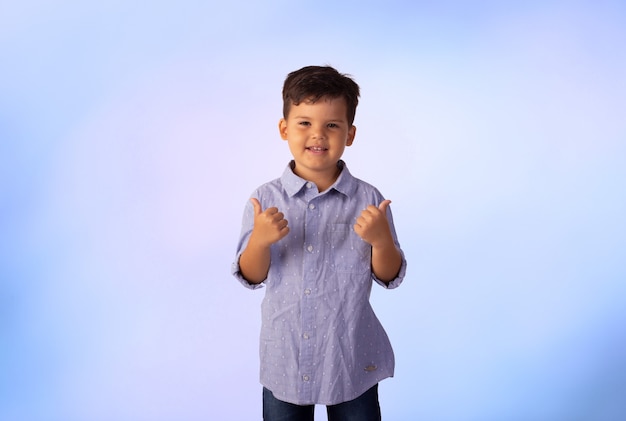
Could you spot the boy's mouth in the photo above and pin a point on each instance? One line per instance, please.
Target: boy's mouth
(316, 149)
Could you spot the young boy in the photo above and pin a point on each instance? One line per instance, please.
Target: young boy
(317, 237)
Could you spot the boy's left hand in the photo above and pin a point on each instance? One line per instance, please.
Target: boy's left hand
(372, 225)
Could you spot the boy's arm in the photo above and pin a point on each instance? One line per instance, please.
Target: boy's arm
(372, 226)
(386, 262)
(269, 227)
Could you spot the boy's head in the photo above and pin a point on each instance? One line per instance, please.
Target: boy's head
(313, 83)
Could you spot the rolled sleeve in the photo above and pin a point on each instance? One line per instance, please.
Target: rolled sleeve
(235, 269)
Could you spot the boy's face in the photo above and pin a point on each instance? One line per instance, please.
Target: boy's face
(317, 134)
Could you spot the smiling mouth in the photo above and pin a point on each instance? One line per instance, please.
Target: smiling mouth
(316, 149)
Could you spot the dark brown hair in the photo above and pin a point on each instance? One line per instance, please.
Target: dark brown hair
(312, 83)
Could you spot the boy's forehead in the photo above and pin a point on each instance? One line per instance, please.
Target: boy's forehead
(328, 108)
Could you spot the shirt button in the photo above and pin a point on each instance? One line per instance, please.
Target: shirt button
(307, 291)
(311, 206)
(305, 378)
(310, 248)
(309, 185)
(305, 335)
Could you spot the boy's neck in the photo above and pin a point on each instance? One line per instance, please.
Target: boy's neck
(322, 180)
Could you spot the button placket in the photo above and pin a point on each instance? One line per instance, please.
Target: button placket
(311, 258)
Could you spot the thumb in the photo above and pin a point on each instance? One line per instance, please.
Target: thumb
(384, 205)
(256, 205)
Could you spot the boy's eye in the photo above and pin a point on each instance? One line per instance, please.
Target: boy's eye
(333, 125)
(304, 123)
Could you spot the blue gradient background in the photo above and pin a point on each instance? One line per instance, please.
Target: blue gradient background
(132, 133)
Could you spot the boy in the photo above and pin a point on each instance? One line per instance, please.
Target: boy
(317, 237)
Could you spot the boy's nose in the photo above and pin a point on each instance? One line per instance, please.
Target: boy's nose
(319, 133)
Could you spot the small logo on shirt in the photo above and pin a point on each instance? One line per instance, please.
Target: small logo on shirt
(370, 368)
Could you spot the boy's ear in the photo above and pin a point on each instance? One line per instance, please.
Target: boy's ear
(351, 134)
(282, 128)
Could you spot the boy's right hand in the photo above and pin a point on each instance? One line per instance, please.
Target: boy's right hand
(270, 225)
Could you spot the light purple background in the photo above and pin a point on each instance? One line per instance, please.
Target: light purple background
(132, 133)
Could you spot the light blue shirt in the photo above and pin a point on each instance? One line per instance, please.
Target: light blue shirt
(321, 342)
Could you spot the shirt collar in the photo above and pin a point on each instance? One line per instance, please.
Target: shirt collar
(293, 184)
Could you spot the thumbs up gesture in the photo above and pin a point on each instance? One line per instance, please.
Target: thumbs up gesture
(270, 225)
(372, 225)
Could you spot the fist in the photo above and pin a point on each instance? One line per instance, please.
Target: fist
(270, 225)
(372, 225)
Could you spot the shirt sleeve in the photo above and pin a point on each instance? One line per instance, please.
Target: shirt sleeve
(246, 230)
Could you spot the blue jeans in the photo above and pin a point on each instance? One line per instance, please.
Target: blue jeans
(363, 408)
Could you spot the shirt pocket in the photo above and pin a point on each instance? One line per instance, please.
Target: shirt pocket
(348, 252)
